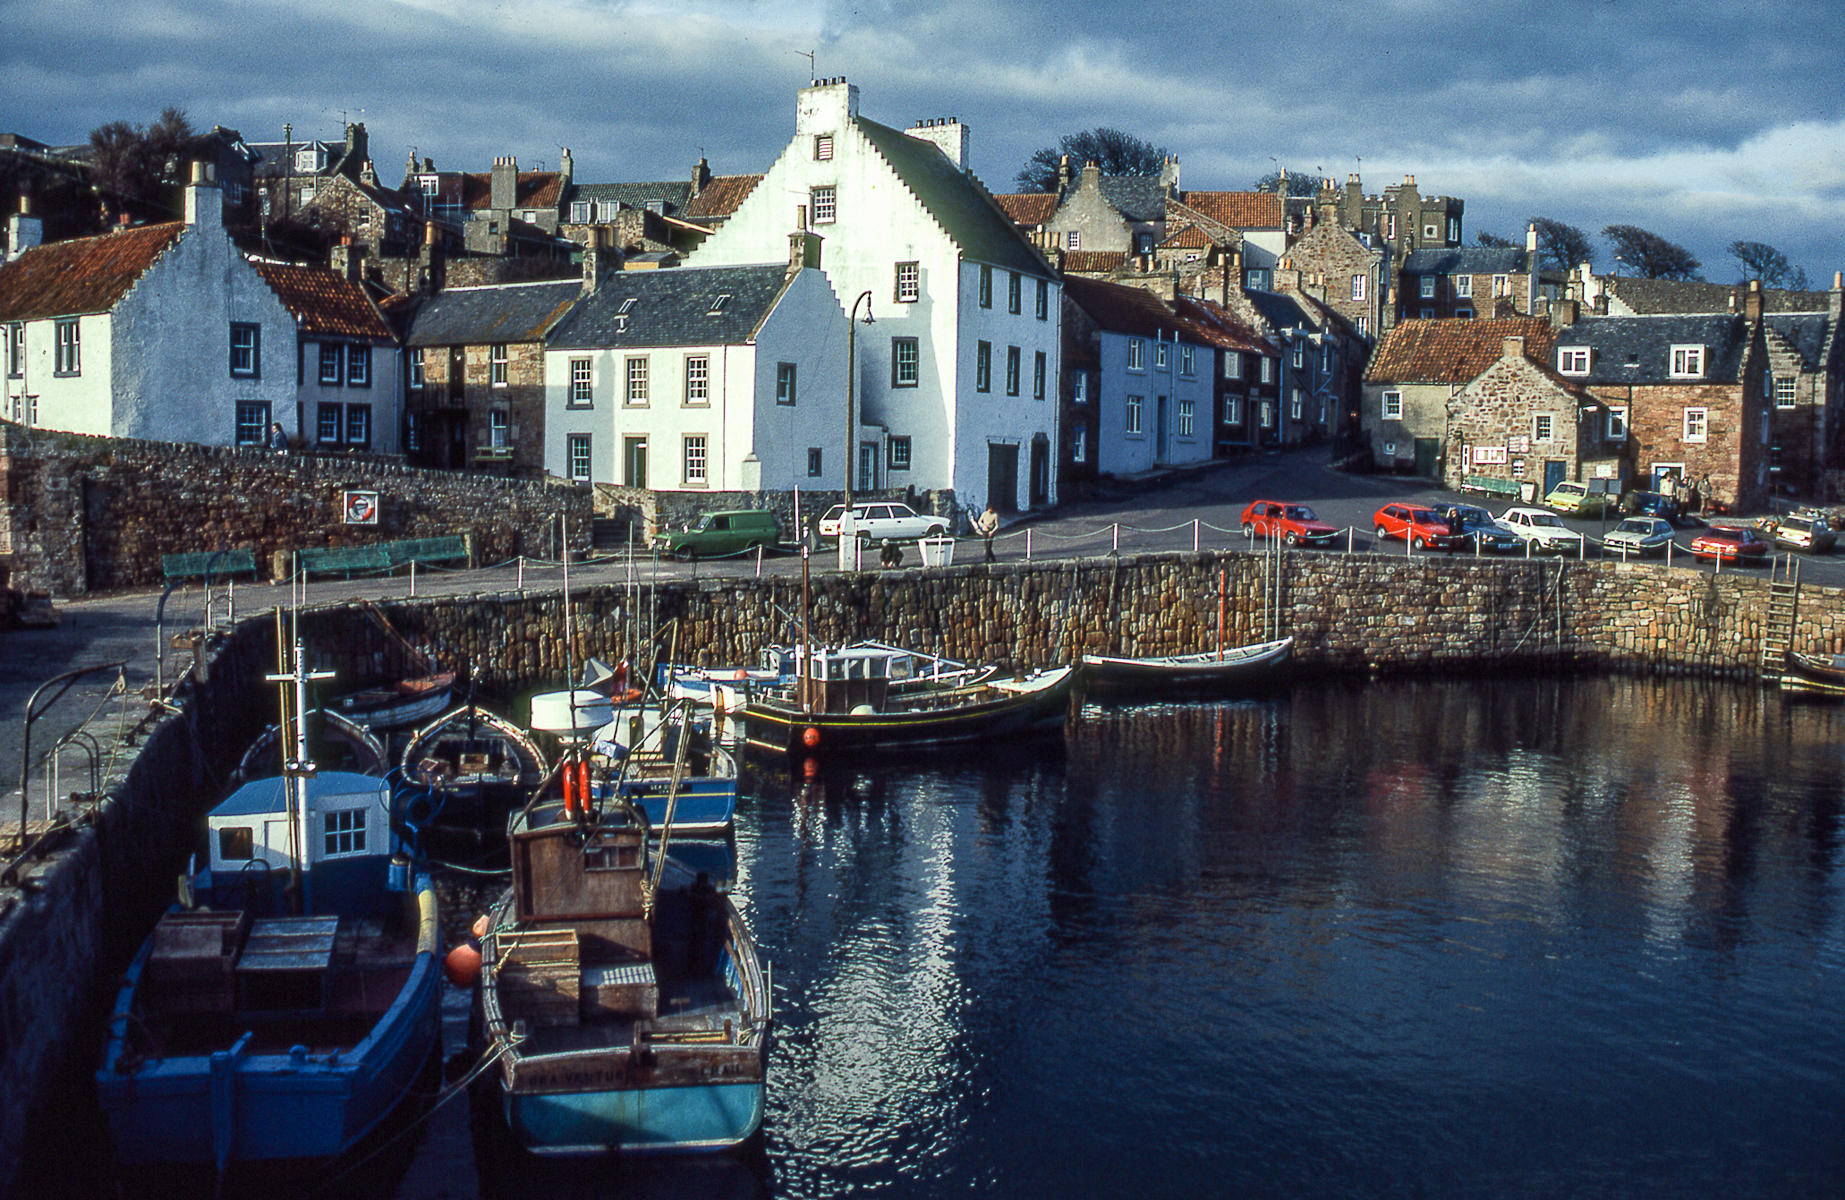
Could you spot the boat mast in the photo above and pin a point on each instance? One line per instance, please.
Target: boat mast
(299, 767)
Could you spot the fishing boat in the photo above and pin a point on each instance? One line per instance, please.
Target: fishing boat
(395, 705)
(621, 999)
(335, 743)
(289, 1003)
(846, 701)
(727, 689)
(1814, 674)
(480, 765)
(667, 765)
(1209, 672)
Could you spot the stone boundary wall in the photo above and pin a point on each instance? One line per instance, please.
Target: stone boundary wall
(66, 935)
(80, 513)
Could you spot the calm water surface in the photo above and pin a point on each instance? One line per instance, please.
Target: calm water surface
(1498, 938)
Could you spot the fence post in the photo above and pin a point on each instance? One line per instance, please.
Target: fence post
(1116, 548)
(413, 577)
(759, 561)
(1194, 535)
(1028, 543)
(522, 572)
(1351, 538)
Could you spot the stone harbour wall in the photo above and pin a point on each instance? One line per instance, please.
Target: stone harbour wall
(81, 513)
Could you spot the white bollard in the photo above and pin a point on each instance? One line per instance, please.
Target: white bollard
(1194, 535)
(1116, 548)
(522, 572)
(413, 577)
(759, 562)
(1028, 543)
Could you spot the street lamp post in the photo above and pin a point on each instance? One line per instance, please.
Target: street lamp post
(852, 388)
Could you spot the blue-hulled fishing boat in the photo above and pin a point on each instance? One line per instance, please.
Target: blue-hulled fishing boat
(622, 1000)
(289, 1003)
(666, 765)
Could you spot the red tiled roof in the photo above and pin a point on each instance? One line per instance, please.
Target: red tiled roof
(1238, 210)
(1028, 208)
(1093, 260)
(535, 189)
(1454, 351)
(1189, 237)
(1216, 326)
(721, 196)
(325, 302)
(86, 275)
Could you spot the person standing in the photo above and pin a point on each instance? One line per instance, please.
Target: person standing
(278, 438)
(986, 525)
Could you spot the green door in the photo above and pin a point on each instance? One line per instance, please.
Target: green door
(1427, 451)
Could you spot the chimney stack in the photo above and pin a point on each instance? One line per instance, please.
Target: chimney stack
(204, 205)
(1512, 347)
(592, 268)
(1563, 314)
(1531, 239)
(803, 250)
(1752, 303)
(24, 230)
(503, 188)
(344, 259)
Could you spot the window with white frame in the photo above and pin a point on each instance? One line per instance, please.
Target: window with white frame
(1454, 229)
(1073, 240)
(1572, 360)
(1267, 414)
(499, 429)
(1697, 424)
(582, 383)
(1188, 360)
(1233, 410)
(1136, 354)
(1784, 391)
(1502, 286)
(1044, 299)
(1014, 297)
(986, 286)
(1463, 286)
(825, 201)
(1012, 370)
(1300, 355)
(15, 350)
(900, 453)
(823, 147)
(1079, 444)
(1463, 314)
(576, 455)
(1268, 369)
(1541, 427)
(332, 364)
(252, 427)
(246, 346)
(1233, 364)
(697, 379)
(983, 366)
(358, 425)
(1159, 356)
(1295, 407)
(1132, 424)
(1257, 278)
(1079, 387)
(1359, 283)
(1364, 326)
(909, 281)
(416, 368)
(327, 423)
(1617, 422)
(784, 383)
(344, 831)
(358, 366)
(1037, 375)
(1428, 314)
(580, 211)
(1393, 406)
(694, 459)
(637, 381)
(1187, 411)
(1428, 287)
(497, 358)
(606, 210)
(1687, 362)
(905, 362)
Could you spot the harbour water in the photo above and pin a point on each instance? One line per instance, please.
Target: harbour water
(1488, 938)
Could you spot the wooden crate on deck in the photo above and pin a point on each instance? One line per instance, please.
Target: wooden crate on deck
(539, 976)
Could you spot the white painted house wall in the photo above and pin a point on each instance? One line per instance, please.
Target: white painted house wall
(1120, 452)
(384, 396)
(880, 223)
(77, 403)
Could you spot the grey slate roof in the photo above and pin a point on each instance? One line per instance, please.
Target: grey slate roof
(1136, 197)
(1278, 310)
(507, 312)
(1638, 350)
(1467, 260)
(1805, 332)
(672, 307)
(965, 209)
(1695, 295)
(673, 193)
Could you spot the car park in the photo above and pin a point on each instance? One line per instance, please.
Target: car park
(1295, 524)
(1419, 525)
(1541, 530)
(719, 533)
(1639, 536)
(1805, 531)
(877, 521)
(1729, 543)
(1483, 530)
(1576, 498)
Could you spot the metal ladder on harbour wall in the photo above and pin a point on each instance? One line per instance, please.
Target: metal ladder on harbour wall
(1783, 606)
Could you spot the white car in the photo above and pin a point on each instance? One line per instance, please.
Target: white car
(1639, 535)
(1542, 530)
(876, 521)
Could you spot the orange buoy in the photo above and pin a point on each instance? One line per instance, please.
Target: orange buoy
(810, 767)
(480, 927)
(810, 737)
(462, 966)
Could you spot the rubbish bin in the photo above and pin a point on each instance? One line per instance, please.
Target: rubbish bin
(1527, 491)
(937, 551)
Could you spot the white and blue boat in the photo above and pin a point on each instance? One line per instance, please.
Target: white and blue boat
(289, 1003)
(621, 999)
(669, 768)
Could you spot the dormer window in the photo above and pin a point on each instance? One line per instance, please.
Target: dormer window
(1572, 360)
(430, 184)
(580, 212)
(1688, 362)
(308, 160)
(718, 305)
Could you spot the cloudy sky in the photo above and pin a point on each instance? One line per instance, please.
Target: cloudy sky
(1704, 123)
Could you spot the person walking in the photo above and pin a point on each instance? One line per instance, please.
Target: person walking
(278, 438)
(986, 525)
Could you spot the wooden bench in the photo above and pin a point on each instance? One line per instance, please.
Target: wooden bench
(346, 560)
(208, 563)
(453, 548)
(1492, 486)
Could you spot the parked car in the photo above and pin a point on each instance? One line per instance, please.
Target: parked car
(1729, 543)
(1541, 530)
(1650, 504)
(1639, 535)
(1419, 525)
(719, 533)
(876, 521)
(1484, 531)
(1576, 498)
(1293, 523)
(1805, 531)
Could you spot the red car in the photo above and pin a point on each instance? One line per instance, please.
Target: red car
(1420, 525)
(1293, 523)
(1729, 543)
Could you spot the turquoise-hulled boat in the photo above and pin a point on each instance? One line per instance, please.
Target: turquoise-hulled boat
(622, 999)
(290, 1003)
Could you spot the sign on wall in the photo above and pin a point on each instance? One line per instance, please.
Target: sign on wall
(1489, 456)
(1519, 445)
(361, 508)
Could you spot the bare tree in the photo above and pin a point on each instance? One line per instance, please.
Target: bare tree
(1302, 183)
(1650, 256)
(1761, 261)
(132, 165)
(1494, 241)
(1115, 152)
(1560, 246)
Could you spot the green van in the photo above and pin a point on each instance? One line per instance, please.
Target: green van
(719, 533)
